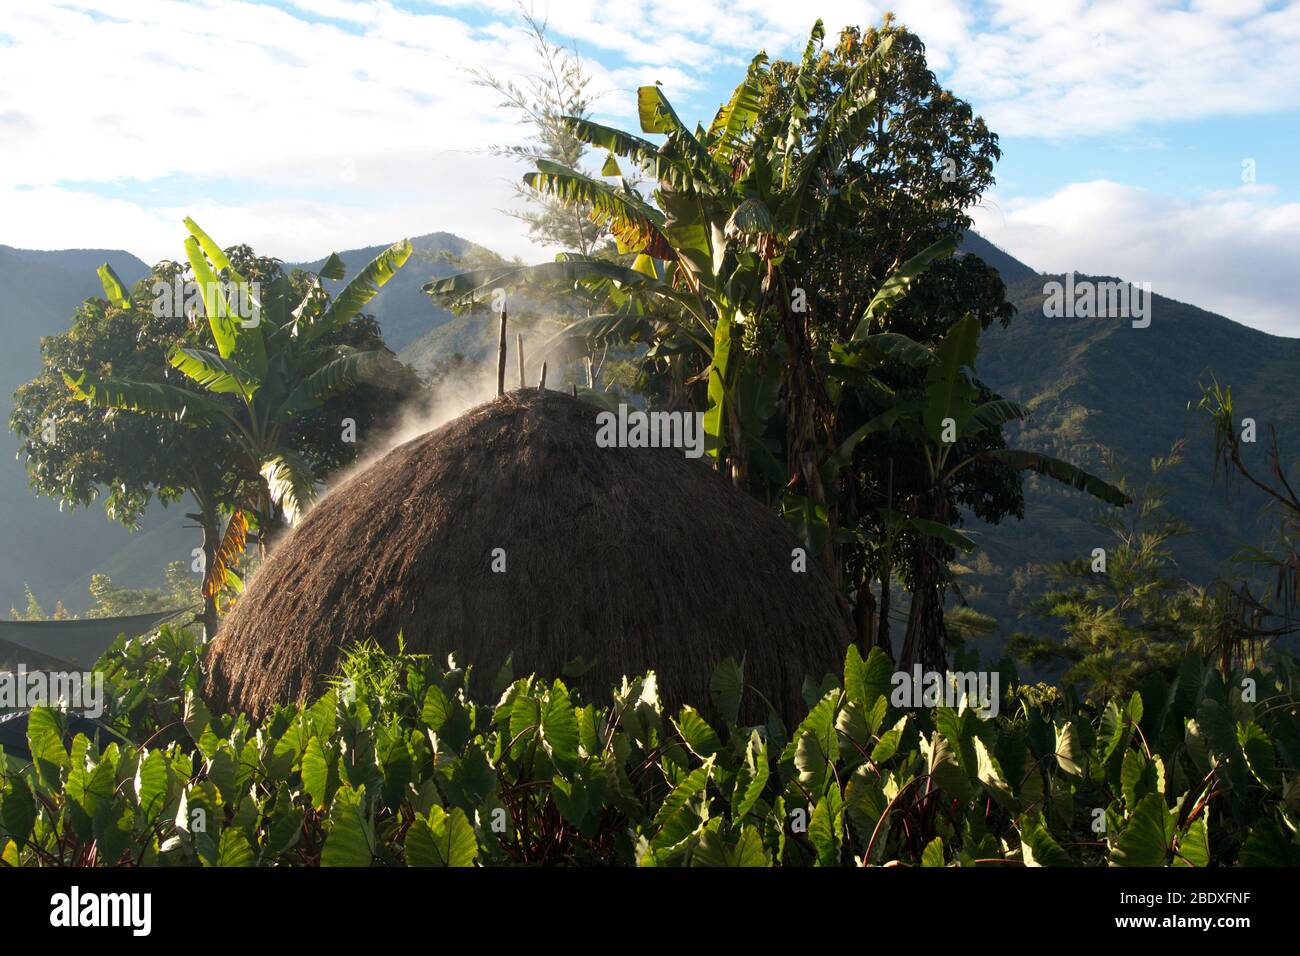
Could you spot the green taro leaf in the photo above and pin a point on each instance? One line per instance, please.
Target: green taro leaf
(696, 732)
(826, 827)
(17, 810)
(748, 852)
(1143, 840)
(752, 778)
(675, 819)
(990, 774)
(1194, 843)
(946, 771)
(442, 839)
(151, 782)
(865, 681)
(437, 709)
(45, 741)
(887, 746)
(1259, 754)
(560, 727)
(1137, 778)
(932, 855)
(726, 687)
(1069, 749)
(1267, 845)
(233, 850)
(350, 839)
(113, 831)
(1038, 847)
(316, 774)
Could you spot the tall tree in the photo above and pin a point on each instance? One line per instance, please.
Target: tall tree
(906, 184)
(560, 87)
(731, 280)
(143, 399)
(78, 454)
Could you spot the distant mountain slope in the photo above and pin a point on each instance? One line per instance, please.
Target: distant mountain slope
(1100, 382)
(472, 337)
(1090, 383)
(1009, 268)
(404, 312)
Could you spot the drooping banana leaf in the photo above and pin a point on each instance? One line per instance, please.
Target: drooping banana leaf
(645, 154)
(934, 529)
(658, 116)
(221, 573)
(291, 483)
(334, 376)
(1061, 471)
(481, 282)
(596, 331)
(214, 373)
(632, 222)
(997, 413)
(353, 297)
(900, 280)
(150, 398)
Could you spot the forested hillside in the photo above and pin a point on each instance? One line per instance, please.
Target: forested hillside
(1095, 384)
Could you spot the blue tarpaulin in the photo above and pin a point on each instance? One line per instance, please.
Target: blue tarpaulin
(43, 645)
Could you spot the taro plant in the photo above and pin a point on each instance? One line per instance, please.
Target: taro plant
(397, 765)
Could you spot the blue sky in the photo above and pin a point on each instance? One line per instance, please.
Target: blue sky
(306, 125)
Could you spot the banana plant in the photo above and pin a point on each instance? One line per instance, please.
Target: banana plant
(948, 412)
(725, 212)
(267, 365)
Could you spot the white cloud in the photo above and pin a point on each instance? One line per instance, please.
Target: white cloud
(459, 192)
(299, 136)
(1030, 68)
(248, 110)
(1229, 252)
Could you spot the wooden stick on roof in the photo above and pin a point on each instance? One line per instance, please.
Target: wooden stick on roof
(519, 349)
(541, 386)
(501, 355)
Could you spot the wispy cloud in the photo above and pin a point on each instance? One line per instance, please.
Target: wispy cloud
(310, 124)
(1229, 252)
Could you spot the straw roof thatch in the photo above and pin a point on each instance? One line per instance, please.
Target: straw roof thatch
(634, 559)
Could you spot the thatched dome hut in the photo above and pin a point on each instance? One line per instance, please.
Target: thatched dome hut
(634, 559)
